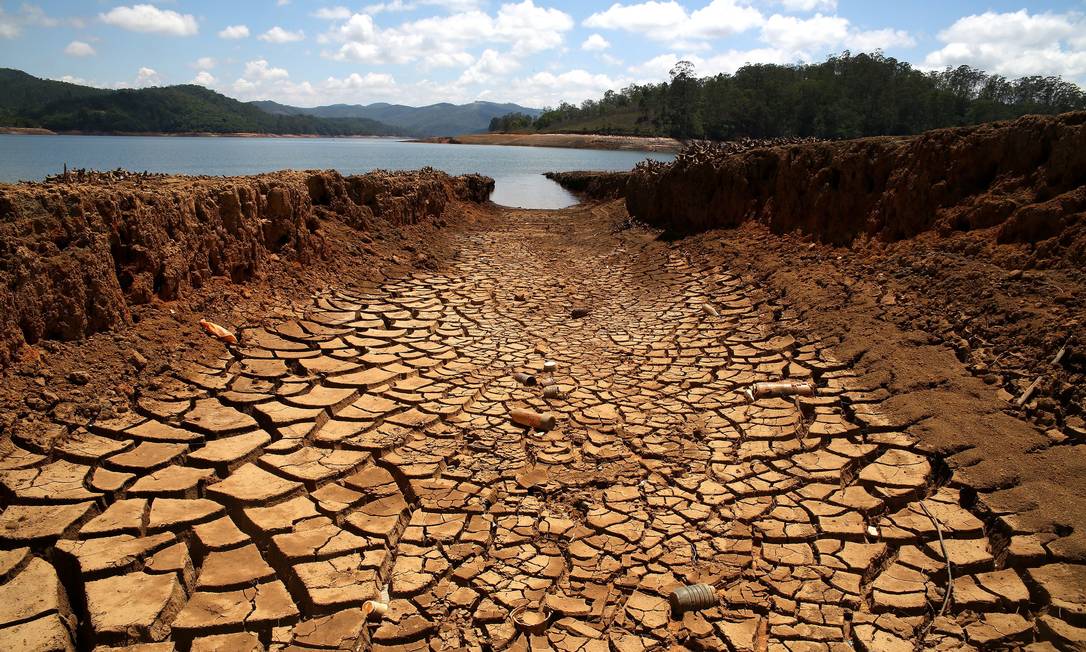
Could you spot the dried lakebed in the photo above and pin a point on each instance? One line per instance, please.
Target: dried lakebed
(260, 498)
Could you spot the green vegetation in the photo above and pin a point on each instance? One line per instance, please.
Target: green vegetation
(845, 96)
(27, 101)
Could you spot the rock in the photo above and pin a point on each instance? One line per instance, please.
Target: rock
(25, 524)
(579, 312)
(79, 378)
(34, 592)
(136, 606)
(1063, 587)
(137, 359)
(51, 633)
(262, 604)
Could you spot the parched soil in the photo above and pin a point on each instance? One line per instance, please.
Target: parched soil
(575, 141)
(78, 252)
(356, 444)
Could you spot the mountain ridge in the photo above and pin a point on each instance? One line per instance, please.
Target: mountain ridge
(440, 119)
(29, 102)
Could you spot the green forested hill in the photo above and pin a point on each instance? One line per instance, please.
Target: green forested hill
(26, 101)
(843, 97)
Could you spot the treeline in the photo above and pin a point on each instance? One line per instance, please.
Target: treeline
(32, 102)
(845, 96)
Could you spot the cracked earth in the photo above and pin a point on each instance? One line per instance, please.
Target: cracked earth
(259, 499)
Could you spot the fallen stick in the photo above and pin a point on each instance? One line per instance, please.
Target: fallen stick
(949, 578)
(1021, 400)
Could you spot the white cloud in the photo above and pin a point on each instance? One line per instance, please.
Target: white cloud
(809, 5)
(402, 5)
(279, 35)
(810, 38)
(879, 39)
(149, 18)
(75, 80)
(448, 60)
(670, 22)
(657, 68)
(610, 60)
(282, 3)
(333, 13)
(204, 78)
(524, 27)
(205, 63)
(147, 77)
(371, 81)
(79, 49)
(595, 43)
(550, 89)
(260, 70)
(489, 65)
(234, 32)
(791, 33)
(1015, 44)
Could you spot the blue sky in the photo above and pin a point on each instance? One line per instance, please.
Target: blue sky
(534, 52)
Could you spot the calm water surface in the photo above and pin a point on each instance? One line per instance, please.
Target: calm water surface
(517, 171)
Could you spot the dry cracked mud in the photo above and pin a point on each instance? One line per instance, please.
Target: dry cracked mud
(258, 499)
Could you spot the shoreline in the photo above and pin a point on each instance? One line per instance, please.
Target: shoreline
(41, 131)
(569, 141)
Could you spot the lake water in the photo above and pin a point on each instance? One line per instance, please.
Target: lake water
(517, 171)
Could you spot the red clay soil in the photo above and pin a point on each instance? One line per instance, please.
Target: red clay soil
(76, 255)
(949, 265)
(1022, 182)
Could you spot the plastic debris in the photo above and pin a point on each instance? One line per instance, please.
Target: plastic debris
(780, 389)
(532, 419)
(376, 607)
(709, 309)
(693, 598)
(533, 621)
(218, 332)
(553, 391)
(527, 380)
(549, 366)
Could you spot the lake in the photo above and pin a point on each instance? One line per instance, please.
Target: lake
(517, 171)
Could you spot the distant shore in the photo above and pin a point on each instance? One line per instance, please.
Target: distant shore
(39, 131)
(575, 141)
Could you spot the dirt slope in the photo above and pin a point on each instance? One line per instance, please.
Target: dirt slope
(1023, 180)
(76, 254)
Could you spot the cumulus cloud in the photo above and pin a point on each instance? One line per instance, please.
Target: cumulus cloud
(550, 89)
(204, 78)
(489, 65)
(595, 43)
(725, 62)
(147, 77)
(524, 27)
(234, 32)
(261, 80)
(670, 22)
(149, 18)
(79, 49)
(1015, 44)
(205, 63)
(279, 35)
